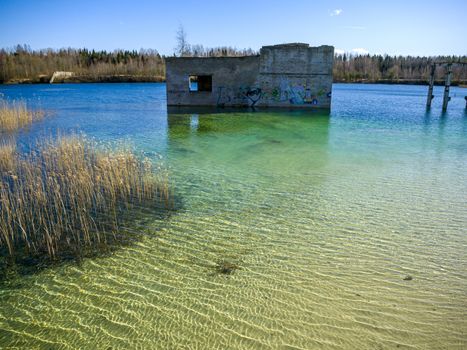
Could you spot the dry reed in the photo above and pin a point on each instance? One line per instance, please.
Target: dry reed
(69, 194)
(7, 156)
(16, 115)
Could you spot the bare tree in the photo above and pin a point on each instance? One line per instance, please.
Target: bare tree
(182, 48)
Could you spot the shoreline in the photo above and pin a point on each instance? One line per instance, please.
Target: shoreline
(78, 79)
(158, 79)
(461, 83)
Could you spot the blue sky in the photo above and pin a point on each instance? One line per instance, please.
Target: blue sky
(395, 27)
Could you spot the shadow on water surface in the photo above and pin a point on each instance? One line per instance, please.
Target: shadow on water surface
(136, 223)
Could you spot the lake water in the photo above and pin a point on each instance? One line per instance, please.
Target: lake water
(324, 215)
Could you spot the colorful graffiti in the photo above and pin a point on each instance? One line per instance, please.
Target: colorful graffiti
(297, 93)
(285, 92)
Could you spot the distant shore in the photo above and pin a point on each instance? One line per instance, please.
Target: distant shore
(160, 79)
(401, 82)
(89, 79)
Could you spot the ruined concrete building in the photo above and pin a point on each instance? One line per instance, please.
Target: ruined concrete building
(287, 75)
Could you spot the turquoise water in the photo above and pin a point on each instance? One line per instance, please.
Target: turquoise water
(324, 215)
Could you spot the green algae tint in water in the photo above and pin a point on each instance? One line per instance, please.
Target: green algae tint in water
(319, 218)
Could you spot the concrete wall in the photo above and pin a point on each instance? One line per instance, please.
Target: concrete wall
(289, 75)
(296, 75)
(230, 76)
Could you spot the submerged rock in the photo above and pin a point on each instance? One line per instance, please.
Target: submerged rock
(226, 268)
(408, 278)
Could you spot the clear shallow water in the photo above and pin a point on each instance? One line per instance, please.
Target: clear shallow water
(324, 215)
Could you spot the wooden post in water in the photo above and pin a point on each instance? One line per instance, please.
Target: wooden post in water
(430, 86)
(447, 83)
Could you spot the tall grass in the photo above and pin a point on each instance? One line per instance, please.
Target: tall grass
(7, 156)
(69, 194)
(16, 115)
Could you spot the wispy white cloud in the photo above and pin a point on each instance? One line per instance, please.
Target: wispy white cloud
(335, 12)
(339, 51)
(359, 51)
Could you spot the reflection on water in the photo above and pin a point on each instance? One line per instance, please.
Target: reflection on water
(297, 230)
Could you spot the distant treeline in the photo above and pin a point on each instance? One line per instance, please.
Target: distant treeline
(25, 65)
(402, 69)
(21, 64)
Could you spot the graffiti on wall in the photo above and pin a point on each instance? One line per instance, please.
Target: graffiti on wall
(253, 95)
(285, 92)
(224, 96)
(296, 93)
(241, 95)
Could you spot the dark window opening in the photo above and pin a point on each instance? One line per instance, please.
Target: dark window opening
(200, 82)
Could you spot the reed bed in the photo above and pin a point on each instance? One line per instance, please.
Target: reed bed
(16, 115)
(69, 194)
